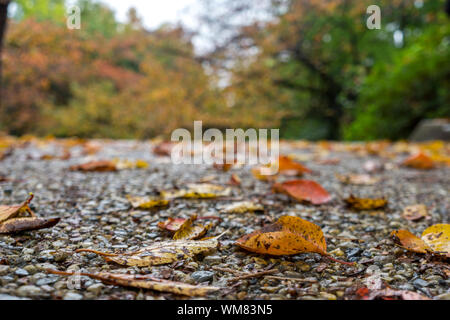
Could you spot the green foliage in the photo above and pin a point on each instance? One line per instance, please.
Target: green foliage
(397, 95)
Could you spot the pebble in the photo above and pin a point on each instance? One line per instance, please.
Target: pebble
(28, 290)
(22, 272)
(72, 296)
(420, 283)
(202, 276)
(96, 288)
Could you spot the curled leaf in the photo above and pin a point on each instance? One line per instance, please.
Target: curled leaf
(146, 203)
(171, 224)
(419, 161)
(144, 282)
(159, 253)
(304, 190)
(9, 212)
(188, 231)
(365, 203)
(409, 241)
(27, 224)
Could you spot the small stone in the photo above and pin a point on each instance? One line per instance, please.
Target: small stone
(28, 290)
(420, 283)
(241, 295)
(202, 276)
(30, 268)
(21, 272)
(337, 252)
(328, 296)
(212, 260)
(96, 288)
(72, 296)
(444, 296)
(3, 270)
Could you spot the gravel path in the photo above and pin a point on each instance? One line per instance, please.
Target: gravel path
(96, 214)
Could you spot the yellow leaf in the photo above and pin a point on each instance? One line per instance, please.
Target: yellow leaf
(197, 191)
(438, 238)
(147, 202)
(242, 207)
(365, 203)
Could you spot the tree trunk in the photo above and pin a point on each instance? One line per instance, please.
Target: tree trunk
(3, 19)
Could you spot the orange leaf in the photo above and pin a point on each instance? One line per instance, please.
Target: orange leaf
(419, 161)
(289, 235)
(409, 241)
(290, 167)
(101, 166)
(171, 224)
(304, 190)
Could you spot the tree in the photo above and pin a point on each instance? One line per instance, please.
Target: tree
(3, 20)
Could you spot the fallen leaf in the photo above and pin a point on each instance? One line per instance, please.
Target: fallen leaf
(304, 190)
(9, 212)
(409, 241)
(242, 207)
(419, 161)
(388, 293)
(160, 252)
(197, 191)
(144, 282)
(122, 164)
(163, 148)
(365, 203)
(357, 179)
(235, 180)
(287, 166)
(434, 239)
(438, 238)
(188, 231)
(415, 212)
(287, 236)
(147, 202)
(100, 166)
(258, 173)
(27, 224)
(171, 224)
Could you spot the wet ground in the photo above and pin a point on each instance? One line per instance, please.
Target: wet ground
(95, 214)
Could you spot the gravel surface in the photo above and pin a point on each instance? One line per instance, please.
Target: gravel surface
(95, 214)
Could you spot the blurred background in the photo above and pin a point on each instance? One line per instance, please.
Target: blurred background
(140, 69)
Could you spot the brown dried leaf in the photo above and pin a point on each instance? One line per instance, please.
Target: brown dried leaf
(27, 224)
(9, 212)
(159, 253)
(415, 212)
(145, 282)
(365, 203)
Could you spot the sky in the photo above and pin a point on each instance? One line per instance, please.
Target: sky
(156, 12)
